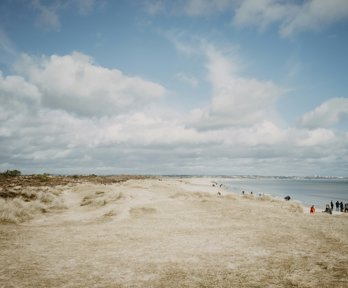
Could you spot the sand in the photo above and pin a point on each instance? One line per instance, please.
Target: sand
(166, 232)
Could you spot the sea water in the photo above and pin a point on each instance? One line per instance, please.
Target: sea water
(318, 192)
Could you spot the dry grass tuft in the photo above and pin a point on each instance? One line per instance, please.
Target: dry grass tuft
(23, 205)
(40, 180)
(111, 213)
(140, 211)
(88, 201)
(18, 210)
(179, 195)
(294, 207)
(100, 198)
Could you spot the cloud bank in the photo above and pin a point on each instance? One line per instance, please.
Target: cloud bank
(236, 100)
(75, 84)
(66, 114)
(327, 114)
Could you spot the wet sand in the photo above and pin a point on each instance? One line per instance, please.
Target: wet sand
(166, 232)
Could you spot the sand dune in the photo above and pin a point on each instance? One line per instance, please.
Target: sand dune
(167, 232)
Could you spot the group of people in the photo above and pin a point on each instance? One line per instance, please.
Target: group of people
(339, 206)
(329, 207)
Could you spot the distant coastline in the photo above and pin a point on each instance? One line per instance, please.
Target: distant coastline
(257, 177)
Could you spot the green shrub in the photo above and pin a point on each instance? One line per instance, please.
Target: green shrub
(11, 173)
(42, 177)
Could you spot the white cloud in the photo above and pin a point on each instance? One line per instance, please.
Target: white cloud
(314, 15)
(236, 100)
(264, 133)
(15, 87)
(293, 17)
(17, 96)
(76, 84)
(262, 13)
(327, 114)
(317, 137)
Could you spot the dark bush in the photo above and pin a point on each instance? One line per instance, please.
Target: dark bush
(11, 173)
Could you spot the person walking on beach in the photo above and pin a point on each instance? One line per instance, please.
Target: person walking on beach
(337, 205)
(331, 205)
(341, 206)
(312, 210)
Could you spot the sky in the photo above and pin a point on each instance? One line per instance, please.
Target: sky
(209, 87)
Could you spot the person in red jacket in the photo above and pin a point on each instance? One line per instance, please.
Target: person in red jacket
(312, 210)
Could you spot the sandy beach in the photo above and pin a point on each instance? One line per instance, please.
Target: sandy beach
(163, 232)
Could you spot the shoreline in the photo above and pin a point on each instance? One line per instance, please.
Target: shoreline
(307, 191)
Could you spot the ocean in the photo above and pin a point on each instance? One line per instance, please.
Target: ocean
(318, 192)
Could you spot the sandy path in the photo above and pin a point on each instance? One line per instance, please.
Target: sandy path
(173, 233)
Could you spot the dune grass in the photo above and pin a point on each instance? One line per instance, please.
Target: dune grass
(28, 204)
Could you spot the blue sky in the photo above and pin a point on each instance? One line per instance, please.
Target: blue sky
(174, 87)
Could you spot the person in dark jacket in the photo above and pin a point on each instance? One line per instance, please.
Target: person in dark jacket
(337, 206)
(341, 206)
(331, 205)
(328, 209)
